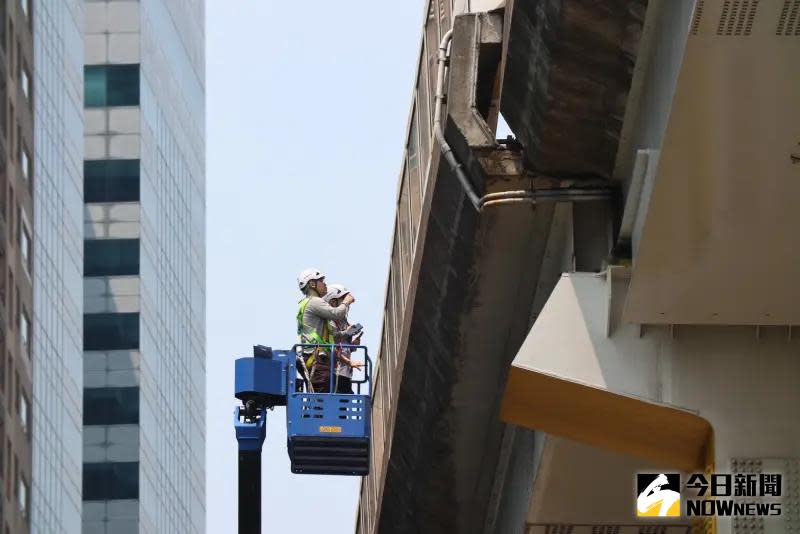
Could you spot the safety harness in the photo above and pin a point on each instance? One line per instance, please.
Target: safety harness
(314, 337)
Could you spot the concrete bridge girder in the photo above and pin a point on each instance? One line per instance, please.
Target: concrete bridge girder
(481, 280)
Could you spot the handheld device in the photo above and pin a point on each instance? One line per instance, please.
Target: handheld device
(354, 330)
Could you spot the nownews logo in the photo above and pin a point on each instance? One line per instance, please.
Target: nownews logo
(659, 495)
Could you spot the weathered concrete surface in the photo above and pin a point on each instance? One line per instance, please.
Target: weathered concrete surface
(471, 313)
(483, 277)
(475, 288)
(568, 72)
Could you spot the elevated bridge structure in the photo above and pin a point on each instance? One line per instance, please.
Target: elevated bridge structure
(632, 307)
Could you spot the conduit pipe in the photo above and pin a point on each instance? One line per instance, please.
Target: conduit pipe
(505, 197)
(544, 195)
(447, 152)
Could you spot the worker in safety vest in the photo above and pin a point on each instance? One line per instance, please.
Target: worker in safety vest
(313, 326)
(344, 365)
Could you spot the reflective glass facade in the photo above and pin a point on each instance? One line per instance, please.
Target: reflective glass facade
(111, 85)
(111, 180)
(144, 322)
(57, 262)
(111, 406)
(110, 331)
(172, 264)
(109, 257)
(111, 481)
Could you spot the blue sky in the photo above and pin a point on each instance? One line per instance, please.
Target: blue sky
(306, 117)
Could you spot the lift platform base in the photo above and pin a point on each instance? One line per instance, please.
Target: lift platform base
(329, 456)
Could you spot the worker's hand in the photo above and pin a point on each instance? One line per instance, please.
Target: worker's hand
(357, 340)
(348, 299)
(356, 365)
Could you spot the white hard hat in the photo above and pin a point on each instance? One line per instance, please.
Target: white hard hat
(335, 291)
(308, 275)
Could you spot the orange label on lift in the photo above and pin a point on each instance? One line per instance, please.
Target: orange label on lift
(331, 429)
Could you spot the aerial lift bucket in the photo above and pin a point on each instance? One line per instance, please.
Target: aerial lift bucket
(329, 433)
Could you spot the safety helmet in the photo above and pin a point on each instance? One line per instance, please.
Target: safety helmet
(308, 275)
(335, 291)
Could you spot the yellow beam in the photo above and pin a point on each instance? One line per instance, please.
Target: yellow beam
(660, 434)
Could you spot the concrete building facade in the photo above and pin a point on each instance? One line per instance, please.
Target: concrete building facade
(16, 281)
(144, 285)
(620, 297)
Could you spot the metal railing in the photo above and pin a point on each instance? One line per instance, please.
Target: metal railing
(334, 349)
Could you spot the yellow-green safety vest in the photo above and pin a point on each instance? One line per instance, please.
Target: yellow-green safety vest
(315, 337)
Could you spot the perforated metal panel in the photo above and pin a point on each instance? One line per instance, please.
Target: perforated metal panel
(718, 244)
(789, 19)
(789, 521)
(698, 16)
(737, 17)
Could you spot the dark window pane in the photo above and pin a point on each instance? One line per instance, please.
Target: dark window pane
(111, 406)
(111, 85)
(123, 85)
(110, 257)
(94, 87)
(110, 331)
(110, 480)
(111, 180)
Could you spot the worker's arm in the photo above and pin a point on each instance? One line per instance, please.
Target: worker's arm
(351, 363)
(339, 329)
(322, 309)
(339, 334)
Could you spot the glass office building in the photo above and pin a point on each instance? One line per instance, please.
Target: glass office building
(144, 267)
(57, 259)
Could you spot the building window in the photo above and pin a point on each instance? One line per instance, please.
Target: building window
(111, 85)
(12, 206)
(110, 331)
(23, 497)
(17, 307)
(8, 295)
(111, 406)
(10, 41)
(25, 162)
(24, 412)
(110, 257)
(12, 121)
(12, 302)
(111, 180)
(9, 371)
(25, 82)
(15, 483)
(25, 247)
(9, 455)
(413, 146)
(24, 331)
(110, 481)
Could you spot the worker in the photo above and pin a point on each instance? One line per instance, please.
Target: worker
(313, 327)
(344, 364)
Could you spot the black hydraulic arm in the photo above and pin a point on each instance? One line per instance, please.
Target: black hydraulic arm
(250, 492)
(251, 429)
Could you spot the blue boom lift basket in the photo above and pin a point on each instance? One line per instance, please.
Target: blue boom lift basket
(329, 433)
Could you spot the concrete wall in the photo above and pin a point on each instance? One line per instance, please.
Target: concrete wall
(742, 380)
